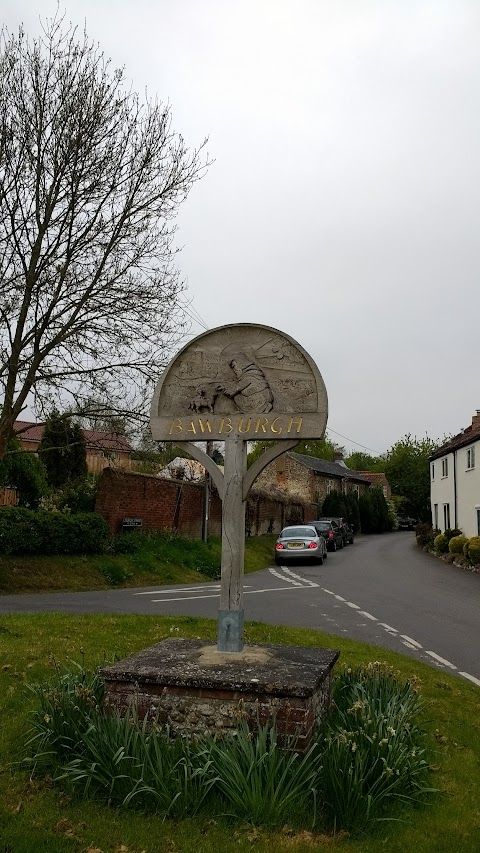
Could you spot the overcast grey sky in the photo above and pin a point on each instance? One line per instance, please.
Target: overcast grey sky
(343, 204)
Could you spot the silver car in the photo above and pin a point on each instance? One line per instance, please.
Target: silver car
(298, 541)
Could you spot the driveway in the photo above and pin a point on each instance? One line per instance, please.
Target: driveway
(382, 590)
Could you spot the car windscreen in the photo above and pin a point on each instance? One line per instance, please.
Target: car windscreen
(298, 532)
(323, 525)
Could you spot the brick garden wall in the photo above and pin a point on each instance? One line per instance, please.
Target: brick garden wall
(178, 505)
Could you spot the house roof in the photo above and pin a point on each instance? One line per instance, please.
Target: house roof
(376, 479)
(330, 469)
(190, 467)
(469, 434)
(94, 438)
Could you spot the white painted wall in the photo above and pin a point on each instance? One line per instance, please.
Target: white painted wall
(442, 490)
(468, 491)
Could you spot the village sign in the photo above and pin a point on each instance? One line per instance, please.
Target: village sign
(237, 384)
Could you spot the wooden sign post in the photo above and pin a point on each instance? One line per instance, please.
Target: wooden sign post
(237, 384)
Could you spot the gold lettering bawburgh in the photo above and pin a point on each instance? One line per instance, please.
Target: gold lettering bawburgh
(241, 425)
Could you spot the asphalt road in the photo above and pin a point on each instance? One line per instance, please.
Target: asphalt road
(382, 590)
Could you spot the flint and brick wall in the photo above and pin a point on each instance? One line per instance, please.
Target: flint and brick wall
(188, 711)
(178, 505)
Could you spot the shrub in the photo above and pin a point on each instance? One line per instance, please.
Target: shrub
(24, 531)
(451, 532)
(440, 543)
(425, 535)
(455, 546)
(474, 550)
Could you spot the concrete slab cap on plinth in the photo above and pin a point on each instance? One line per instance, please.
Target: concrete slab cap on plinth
(195, 690)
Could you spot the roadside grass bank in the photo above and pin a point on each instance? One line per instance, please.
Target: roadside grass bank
(36, 816)
(131, 560)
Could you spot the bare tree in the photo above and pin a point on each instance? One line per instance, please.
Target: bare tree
(90, 181)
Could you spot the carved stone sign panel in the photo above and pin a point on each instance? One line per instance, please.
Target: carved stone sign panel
(241, 381)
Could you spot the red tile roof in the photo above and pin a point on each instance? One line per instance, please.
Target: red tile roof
(469, 434)
(374, 478)
(95, 439)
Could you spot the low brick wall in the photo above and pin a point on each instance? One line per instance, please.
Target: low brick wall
(170, 683)
(178, 505)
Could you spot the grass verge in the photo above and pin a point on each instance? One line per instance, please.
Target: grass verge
(35, 816)
(160, 559)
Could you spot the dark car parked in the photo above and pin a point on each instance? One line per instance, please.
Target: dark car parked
(342, 523)
(405, 522)
(330, 531)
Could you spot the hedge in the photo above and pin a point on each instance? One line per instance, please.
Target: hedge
(26, 531)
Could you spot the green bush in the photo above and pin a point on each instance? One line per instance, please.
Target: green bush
(455, 546)
(440, 543)
(425, 535)
(25, 531)
(473, 550)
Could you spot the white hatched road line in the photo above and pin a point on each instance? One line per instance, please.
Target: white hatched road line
(411, 642)
(441, 660)
(327, 590)
(471, 678)
(283, 578)
(367, 615)
(388, 627)
(339, 597)
(408, 645)
(351, 604)
(298, 577)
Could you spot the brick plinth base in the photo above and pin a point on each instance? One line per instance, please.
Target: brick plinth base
(195, 691)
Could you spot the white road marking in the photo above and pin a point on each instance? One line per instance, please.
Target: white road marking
(298, 577)
(181, 589)
(327, 590)
(217, 595)
(408, 645)
(283, 578)
(388, 627)
(339, 597)
(471, 678)
(351, 604)
(368, 615)
(441, 660)
(184, 598)
(412, 642)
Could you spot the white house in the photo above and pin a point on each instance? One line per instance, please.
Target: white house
(455, 481)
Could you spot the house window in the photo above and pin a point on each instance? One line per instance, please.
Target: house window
(356, 490)
(384, 490)
(471, 458)
(329, 486)
(446, 516)
(444, 467)
(435, 516)
(433, 470)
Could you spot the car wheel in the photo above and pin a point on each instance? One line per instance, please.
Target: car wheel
(320, 561)
(278, 562)
(334, 546)
(341, 545)
(325, 554)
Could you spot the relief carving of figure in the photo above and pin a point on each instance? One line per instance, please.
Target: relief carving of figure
(205, 400)
(251, 392)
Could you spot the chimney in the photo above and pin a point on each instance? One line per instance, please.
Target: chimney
(338, 455)
(476, 420)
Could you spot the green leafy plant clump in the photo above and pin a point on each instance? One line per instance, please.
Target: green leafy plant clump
(456, 544)
(25, 531)
(473, 550)
(369, 755)
(440, 543)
